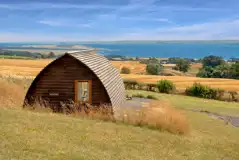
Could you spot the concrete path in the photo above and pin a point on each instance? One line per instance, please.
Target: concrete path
(137, 102)
(226, 118)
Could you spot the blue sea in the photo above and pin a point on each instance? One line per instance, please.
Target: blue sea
(188, 49)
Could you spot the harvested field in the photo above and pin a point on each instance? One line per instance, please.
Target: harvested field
(32, 68)
(184, 81)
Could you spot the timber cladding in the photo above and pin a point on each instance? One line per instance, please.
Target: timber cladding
(57, 82)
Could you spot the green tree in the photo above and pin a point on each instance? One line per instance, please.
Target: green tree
(182, 65)
(212, 61)
(234, 71)
(154, 69)
(51, 55)
(205, 72)
(150, 60)
(221, 71)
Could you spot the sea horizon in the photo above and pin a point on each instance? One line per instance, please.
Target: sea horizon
(150, 48)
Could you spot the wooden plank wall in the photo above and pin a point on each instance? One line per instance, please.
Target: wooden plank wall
(59, 78)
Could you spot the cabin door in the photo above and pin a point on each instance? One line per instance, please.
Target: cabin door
(83, 91)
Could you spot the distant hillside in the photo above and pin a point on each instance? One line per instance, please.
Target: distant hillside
(20, 53)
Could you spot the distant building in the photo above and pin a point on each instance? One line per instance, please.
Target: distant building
(116, 59)
(163, 61)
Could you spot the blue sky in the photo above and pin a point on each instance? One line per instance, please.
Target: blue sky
(110, 20)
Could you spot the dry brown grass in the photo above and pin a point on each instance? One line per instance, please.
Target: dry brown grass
(135, 67)
(11, 94)
(157, 115)
(22, 67)
(160, 115)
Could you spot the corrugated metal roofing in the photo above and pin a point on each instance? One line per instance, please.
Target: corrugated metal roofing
(106, 72)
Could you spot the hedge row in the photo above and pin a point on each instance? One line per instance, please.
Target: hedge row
(196, 90)
(163, 86)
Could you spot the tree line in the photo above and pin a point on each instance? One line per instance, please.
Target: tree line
(212, 67)
(217, 67)
(28, 54)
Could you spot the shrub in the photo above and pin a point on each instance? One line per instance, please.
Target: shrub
(233, 95)
(151, 87)
(139, 95)
(220, 94)
(130, 84)
(154, 69)
(165, 86)
(199, 90)
(151, 97)
(141, 86)
(125, 70)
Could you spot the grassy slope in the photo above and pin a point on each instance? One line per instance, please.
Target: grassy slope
(29, 135)
(186, 102)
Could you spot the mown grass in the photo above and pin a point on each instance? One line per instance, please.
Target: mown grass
(33, 135)
(185, 102)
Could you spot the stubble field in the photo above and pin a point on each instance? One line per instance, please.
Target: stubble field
(31, 68)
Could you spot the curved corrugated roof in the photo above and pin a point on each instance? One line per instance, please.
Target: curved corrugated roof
(106, 72)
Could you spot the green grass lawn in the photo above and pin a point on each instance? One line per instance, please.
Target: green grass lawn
(31, 135)
(186, 102)
(27, 135)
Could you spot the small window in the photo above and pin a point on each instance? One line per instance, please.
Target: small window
(83, 91)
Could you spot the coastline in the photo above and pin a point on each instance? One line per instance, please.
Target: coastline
(184, 49)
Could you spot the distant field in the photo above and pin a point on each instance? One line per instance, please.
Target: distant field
(14, 57)
(43, 51)
(138, 68)
(185, 81)
(32, 67)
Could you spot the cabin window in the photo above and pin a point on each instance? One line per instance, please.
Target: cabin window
(83, 91)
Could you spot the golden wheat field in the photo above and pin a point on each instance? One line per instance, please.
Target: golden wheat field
(32, 68)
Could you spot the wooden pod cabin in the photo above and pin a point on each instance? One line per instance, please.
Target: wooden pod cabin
(79, 76)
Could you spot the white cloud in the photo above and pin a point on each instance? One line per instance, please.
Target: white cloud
(218, 27)
(144, 5)
(57, 23)
(219, 30)
(163, 20)
(145, 19)
(51, 23)
(35, 5)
